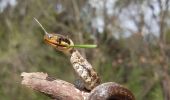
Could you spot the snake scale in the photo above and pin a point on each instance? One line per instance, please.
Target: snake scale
(86, 73)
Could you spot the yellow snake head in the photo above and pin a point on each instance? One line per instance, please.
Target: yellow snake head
(59, 42)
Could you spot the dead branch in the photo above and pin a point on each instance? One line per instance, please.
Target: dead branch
(54, 88)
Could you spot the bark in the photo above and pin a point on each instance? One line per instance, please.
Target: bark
(54, 88)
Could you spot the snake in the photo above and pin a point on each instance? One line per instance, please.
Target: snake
(89, 78)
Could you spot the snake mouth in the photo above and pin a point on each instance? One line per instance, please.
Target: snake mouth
(54, 44)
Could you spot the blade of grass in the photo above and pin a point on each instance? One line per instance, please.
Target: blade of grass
(84, 46)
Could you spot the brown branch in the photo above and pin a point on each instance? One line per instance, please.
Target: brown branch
(54, 88)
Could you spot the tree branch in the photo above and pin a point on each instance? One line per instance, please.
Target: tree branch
(54, 88)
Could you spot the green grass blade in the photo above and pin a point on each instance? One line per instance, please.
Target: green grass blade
(84, 46)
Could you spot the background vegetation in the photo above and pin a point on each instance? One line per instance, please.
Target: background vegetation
(133, 38)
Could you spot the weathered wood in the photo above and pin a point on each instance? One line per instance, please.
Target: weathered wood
(54, 88)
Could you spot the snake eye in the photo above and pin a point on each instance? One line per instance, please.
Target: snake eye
(59, 40)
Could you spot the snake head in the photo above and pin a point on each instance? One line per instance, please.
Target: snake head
(59, 42)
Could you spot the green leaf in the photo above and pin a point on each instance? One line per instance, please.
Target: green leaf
(84, 46)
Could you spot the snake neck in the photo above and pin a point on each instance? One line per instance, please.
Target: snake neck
(84, 70)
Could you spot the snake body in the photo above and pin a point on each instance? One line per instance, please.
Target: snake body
(84, 70)
(90, 78)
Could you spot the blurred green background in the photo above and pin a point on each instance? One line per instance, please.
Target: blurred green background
(133, 38)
